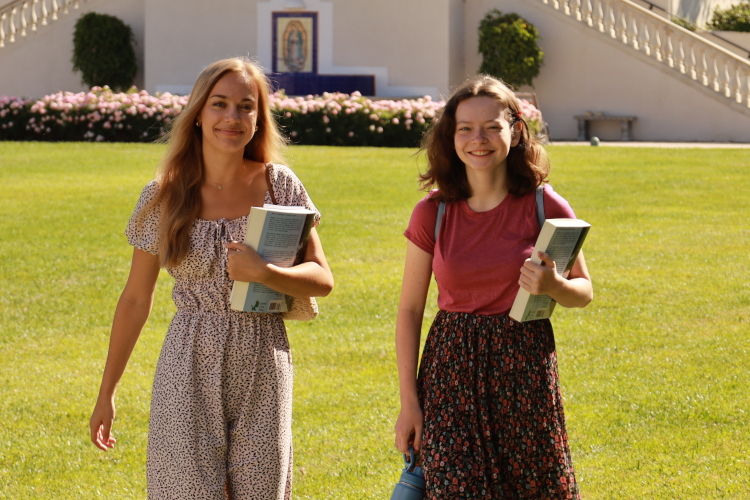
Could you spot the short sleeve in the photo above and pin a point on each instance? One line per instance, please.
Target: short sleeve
(143, 228)
(421, 229)
(555, 206)
(289, 191)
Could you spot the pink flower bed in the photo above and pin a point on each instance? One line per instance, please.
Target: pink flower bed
(333, 118)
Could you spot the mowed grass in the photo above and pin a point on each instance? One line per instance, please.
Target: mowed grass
(654, 371)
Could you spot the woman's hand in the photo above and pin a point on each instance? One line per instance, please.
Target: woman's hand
(409, 428)
(572, 290)
(311, 278)
(244, 263)
(540, 279)
(101, 423)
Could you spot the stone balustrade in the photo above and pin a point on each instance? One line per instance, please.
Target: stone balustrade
(686, 53)
(19, 17)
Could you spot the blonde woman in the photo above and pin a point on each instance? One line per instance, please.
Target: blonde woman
(222, 397)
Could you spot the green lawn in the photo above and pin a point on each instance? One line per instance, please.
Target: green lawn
(654, 371)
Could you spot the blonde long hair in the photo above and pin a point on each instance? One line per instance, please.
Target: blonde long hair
(527, 163)
(181, 172)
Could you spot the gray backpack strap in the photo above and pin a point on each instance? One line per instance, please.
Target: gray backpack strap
(441, 212)
(540, 206)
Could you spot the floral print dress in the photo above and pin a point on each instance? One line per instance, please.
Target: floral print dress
(221, 408)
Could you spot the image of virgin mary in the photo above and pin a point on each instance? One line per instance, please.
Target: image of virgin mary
(295, 46)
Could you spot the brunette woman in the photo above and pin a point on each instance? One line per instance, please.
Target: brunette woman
(221, 406)
(485, 408)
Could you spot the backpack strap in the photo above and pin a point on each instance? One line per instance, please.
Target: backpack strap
(270, 185)
(440, 213)
(540, 206)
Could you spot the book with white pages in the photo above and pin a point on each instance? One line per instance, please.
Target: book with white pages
(279, 234)
(562, 240)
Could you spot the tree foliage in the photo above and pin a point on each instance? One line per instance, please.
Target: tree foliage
(734, 18)
(103, 51)
(508, 44)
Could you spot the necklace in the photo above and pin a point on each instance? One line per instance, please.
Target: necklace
(218, 186)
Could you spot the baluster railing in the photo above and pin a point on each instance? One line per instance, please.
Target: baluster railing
(622, 26)
(610, 27)
(724, 81)
(689, 54)
(643, 37)
(667, 49)
(680, 54)
(3, 17)
(689, 58)
(19, 17)
(598, 15)
(736, 82)
(575, 9)
(656, 44)
(633, 31)
(586, 11)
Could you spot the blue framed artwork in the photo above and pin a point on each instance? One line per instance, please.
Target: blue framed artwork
(295, 42)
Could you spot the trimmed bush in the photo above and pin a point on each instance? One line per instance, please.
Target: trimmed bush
(684, 23)
(103, 51)
(98, 115)
(331, 119)
(734, 18)
(508, 44)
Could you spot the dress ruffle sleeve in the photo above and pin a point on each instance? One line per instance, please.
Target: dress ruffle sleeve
(289, 190)
(143, 228)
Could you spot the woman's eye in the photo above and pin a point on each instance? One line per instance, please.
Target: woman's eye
(219, 104)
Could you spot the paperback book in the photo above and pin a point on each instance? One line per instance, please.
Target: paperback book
(279, 234)
(562, 239)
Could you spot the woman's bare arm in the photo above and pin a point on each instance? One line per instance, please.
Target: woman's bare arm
(131, 314)
(575, 290)
(414, 288)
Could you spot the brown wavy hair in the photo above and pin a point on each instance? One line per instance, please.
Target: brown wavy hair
(181, 171)
(527, 163)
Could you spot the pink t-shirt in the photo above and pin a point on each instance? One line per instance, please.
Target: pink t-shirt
(478, 258)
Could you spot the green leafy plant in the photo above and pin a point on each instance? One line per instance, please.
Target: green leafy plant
(684, 23)
(508, 44)
(734, 18)
(103, 51)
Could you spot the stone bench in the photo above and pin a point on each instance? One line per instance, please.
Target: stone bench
(626, 123)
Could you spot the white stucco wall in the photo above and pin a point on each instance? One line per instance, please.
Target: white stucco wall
(584, 72)
(184, 36)
(366, 38)
(39, 64)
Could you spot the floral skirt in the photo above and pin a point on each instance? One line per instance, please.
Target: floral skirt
(493, 417)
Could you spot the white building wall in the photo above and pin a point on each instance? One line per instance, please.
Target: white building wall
(185, 36)
(585, 71)
(40, 63)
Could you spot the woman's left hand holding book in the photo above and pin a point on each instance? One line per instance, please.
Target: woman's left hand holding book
(311, 278)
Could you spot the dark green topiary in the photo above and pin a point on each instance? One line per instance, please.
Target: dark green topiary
(103, 51)
(735, 18)
(684, 23)
(508, 47)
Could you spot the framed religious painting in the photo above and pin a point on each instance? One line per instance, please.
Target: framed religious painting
(295, 42)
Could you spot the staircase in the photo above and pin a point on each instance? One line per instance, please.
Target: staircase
(689, 57)
(19, 17)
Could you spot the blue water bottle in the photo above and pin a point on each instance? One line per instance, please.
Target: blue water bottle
(412, 484)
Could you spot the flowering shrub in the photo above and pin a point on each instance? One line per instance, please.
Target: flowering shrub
(352, 120)
(97, 115)
(331, 119)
